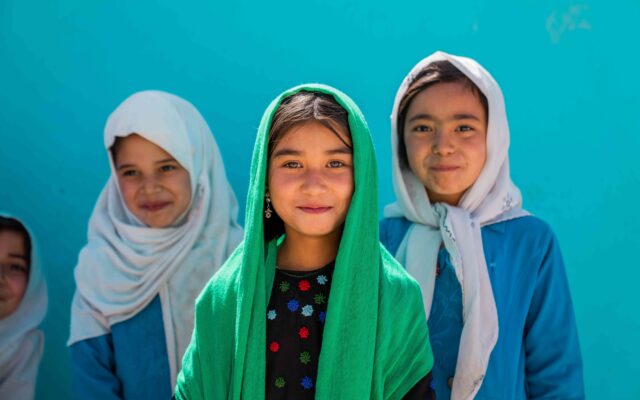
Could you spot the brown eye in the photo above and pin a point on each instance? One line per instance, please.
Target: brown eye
(167, 168)
(292, 164)
(464, 128)
(422, 128)
(130, 172)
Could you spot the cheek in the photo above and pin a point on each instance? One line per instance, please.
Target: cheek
(478, 156)
(128, 190)
(18, 289)
(181, 186)
(342, 187)
(416, 149)
(279, 186)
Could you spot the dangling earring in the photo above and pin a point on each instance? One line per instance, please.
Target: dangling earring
(267, 209)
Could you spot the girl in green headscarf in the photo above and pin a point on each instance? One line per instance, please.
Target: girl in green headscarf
(310, 305)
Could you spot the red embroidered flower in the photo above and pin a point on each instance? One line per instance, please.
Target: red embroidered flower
(274, 347)
(304, 285)
(303, 332)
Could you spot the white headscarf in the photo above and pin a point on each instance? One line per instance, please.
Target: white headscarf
(492, 198)
(125, 264)
(21, 343)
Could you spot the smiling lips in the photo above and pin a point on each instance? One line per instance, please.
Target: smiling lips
(154, 206)
(444, 168)
(313, 209)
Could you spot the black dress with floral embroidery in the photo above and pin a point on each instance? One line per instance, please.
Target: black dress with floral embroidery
(295, 322)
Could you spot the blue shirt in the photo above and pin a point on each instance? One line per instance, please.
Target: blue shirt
(537, 354)
(129, 363)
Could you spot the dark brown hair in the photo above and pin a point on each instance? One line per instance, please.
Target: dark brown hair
(436, 72)
(297, 109)
(13, 225)
(117, 143)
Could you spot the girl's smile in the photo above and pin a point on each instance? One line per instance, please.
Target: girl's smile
(314, 209)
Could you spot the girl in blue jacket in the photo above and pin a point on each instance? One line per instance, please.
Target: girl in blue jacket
(500, 317)
(163, 224)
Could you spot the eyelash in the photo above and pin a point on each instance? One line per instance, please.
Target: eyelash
(427, 129)
(14, 268)
(330, 164)
(422, 129)
(17, 267)
(130, 173)
(163, 168)
(468, 128)
(167, 168)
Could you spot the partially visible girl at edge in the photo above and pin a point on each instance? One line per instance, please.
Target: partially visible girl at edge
(501, 320)
(163, 225)
(23, 306)
(310, 305)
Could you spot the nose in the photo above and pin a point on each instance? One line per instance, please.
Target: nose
(313, 181)
(442, 143)
(150, 185)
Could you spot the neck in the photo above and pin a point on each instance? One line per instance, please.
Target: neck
(306, 253)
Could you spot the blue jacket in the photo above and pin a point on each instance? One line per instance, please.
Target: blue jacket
(129, 363)
(537, 354)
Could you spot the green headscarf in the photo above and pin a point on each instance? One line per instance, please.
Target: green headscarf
(375, 343)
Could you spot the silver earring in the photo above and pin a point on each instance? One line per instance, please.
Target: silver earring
(267, 210)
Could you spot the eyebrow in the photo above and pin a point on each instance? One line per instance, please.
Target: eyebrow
(166, 160)
(291, 152)
(20, 256)
(456, 117)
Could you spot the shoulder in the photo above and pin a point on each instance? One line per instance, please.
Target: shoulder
(392, 231)
(223, 284)
(395, 280)
(394, 225)
(529, 231)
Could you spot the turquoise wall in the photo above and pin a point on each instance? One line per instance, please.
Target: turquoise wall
(567, 68)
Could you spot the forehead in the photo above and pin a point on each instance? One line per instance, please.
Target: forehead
(136, 148)
(11, 242)
(447, 98)
(313, 136)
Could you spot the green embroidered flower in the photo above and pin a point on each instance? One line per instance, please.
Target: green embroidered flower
(284, 286)
(305, 357)
(319, 298)
(280, 382)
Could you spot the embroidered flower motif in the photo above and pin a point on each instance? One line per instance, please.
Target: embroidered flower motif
(306, 382)
(303, 332)
(322, 279)
(280, 382)
(307, 310)
(507, 202)
(293, 305)
(284, 286)
(322, 316)
(304, 285)
(274, 347)
(305, 357)
(319, 298)
(272, 314)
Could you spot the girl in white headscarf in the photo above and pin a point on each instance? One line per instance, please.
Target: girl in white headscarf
(162, 226)
(501, 321)
(23, 306)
